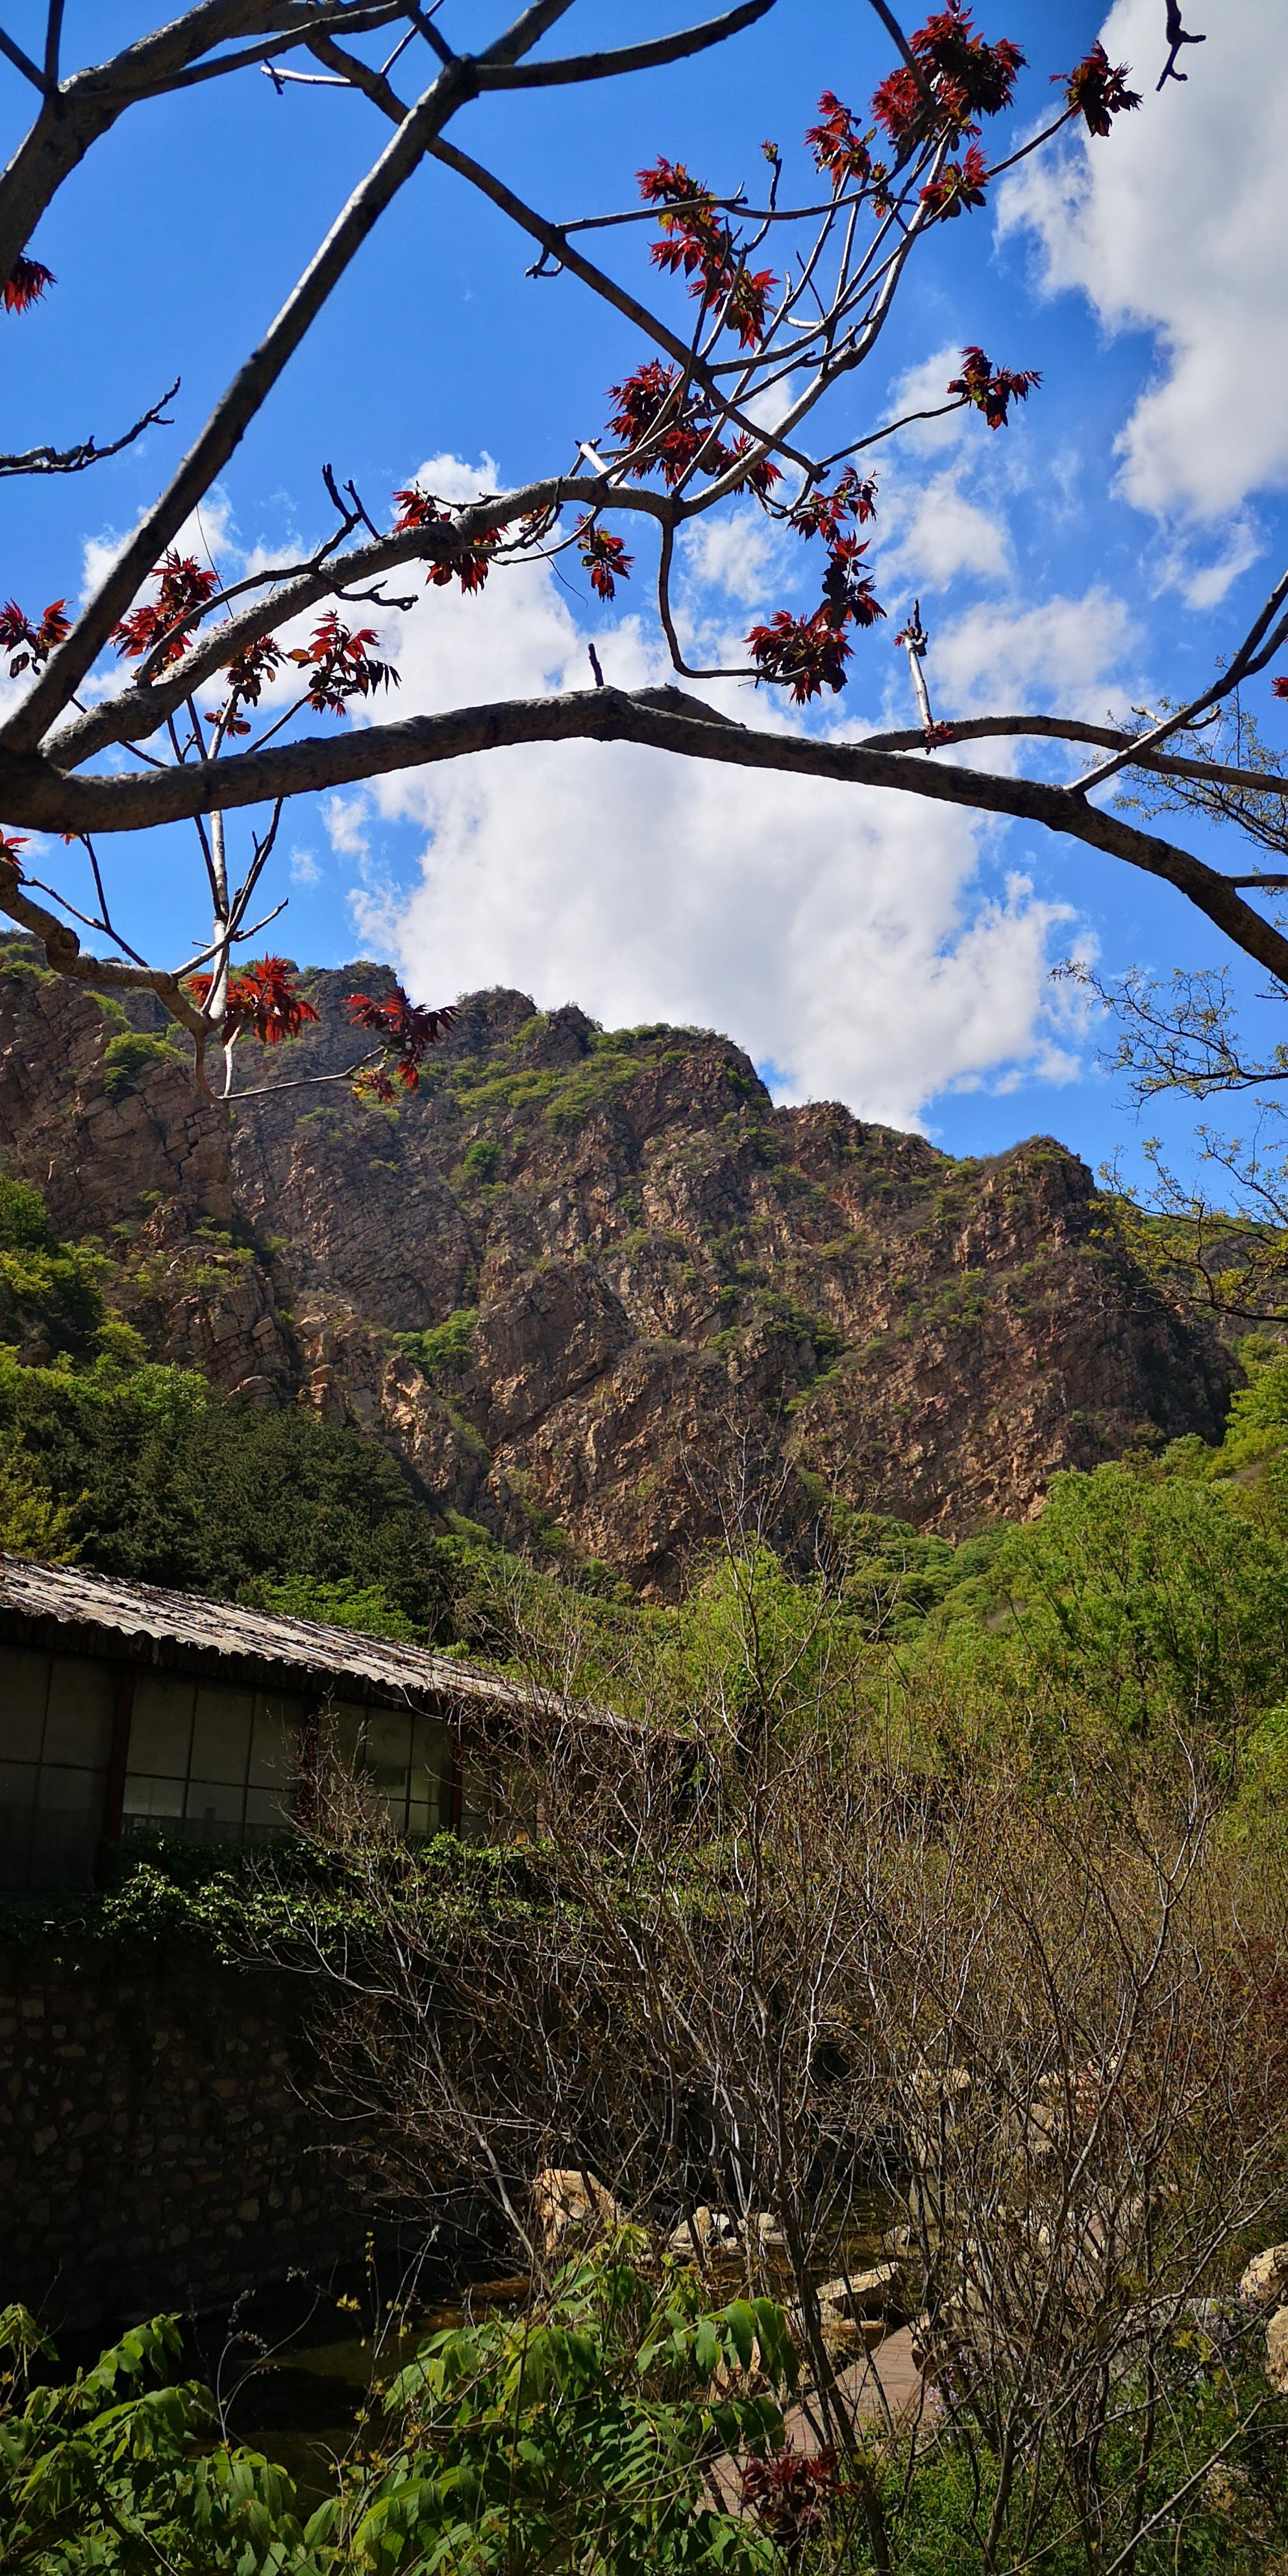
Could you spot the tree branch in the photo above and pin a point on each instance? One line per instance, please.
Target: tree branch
(232, 415)
(73, 460)
(629, 58)
(1066, 729)
(32, 792)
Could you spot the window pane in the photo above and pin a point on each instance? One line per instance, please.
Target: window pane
(24, 1680)
(63, 1850)
(221, 1733)
(65, 1791)
(155, 1799)
(78, 1726)
(267, 1813)
(214, 1810)
(15, 1841)
(388, 1750)
(17, 1785)
(161, 1726)
(275, 1741)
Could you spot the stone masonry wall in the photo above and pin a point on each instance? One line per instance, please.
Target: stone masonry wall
(156, 2146)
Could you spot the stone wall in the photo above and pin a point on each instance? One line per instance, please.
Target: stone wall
(157, 2149)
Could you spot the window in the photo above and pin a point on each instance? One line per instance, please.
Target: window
(55, 1738)
(406, 1759)
(215, 1763)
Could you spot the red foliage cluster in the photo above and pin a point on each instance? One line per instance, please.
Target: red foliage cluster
(26, 283)
(962, 78)
(790, 2495)
(697, 243)
(183, 588)
(261, 1001)
(823, 514)
(1279, 688)
(1098, 89)
(30, 646)
(960, 185)
(604, 556)
(10, 844)
(405, 1031)
(992, 389)
(470, 562)
(342, 665)
(809, 654)
(247, 673)
(672, 432)
(837, 145)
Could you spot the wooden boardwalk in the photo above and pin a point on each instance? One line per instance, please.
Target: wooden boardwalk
(882, 2391)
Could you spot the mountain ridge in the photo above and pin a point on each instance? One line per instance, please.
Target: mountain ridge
(585, 1279)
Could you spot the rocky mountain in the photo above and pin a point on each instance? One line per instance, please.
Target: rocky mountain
(585, 1278)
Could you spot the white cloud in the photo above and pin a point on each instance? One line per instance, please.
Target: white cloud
(924, 388)
(1009, 660)
(842, 936)
(939, 534)
(1174, 225)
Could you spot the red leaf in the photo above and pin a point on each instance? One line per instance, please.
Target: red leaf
(26, 283)
(837, 145)
(1279, 688)
(962, 77)
(183, 588)
(806, 654)
(604, 556)
(1098, 89)
(991, 389)
(405, 1030)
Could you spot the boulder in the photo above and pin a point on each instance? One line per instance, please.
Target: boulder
(1266, 2278)
(569, 2203)
(863, 2295)
(1277, 2352)
(708, 2231)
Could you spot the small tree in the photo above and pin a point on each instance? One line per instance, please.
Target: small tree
(769, 309)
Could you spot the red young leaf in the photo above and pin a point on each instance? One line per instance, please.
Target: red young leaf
(342, 665)
(698, 244)
(960, 185)
(962, 77)
(760, 474)
(1279, 688)
(10, 844)
(31, 646)
(26, 283)
(837, 145)
(1098, 89)
(807, 654)
(405, 1030)
(604, 556)
(183, 588)
(469, 562)
(247, 673)
(823, 514)
(261, 1001)
(991, 389)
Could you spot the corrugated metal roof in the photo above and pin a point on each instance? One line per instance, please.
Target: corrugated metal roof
(85, 1601)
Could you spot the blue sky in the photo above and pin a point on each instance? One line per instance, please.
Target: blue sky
(1104, 550)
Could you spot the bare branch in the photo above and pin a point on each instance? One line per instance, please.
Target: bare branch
(629, 58)
(73, 460)
(1176, 37)
(21, 62)
(1069, 729)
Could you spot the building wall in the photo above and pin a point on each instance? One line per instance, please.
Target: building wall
(156, 2147)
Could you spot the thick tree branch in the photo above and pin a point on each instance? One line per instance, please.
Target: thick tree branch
(1164, 764)
(66, 956)
(35, 794)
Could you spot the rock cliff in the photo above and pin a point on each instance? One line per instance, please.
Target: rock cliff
(583, 1278)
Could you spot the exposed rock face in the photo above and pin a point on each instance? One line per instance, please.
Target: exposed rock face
(578, 1275)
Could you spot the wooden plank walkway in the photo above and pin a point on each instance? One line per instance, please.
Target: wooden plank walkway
(882, 2390)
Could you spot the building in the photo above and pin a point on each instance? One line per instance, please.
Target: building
(123, 1707)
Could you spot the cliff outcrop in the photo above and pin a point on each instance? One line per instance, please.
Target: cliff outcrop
(583, 1278)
